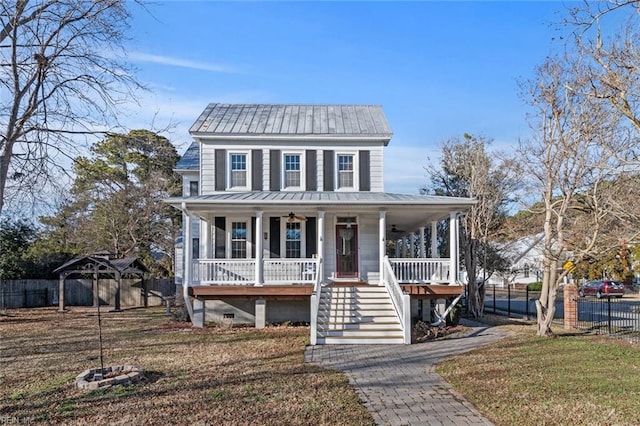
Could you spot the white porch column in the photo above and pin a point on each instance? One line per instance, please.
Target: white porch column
(423, 243)
(453, 247)
(398, 247)
(187, 250)
(258, 242)
(320, 233)
(412, 245)
(187, 256)
(404, 247)
(205, 231)
(434, 240)
(382, 228)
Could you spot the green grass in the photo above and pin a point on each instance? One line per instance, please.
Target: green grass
(573, 379)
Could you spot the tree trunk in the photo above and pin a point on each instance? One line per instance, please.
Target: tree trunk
(475, 292)
(545, 317)
(546, 304)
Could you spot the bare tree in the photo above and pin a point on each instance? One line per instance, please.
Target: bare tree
(61, 76)
(570, 166)
(468, 170)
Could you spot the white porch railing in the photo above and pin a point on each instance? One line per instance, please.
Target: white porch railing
(401, 301)
(224, 271)
(421, 270)
(290, 271)
(243, 271)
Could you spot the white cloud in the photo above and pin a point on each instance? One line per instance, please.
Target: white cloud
(179, 62)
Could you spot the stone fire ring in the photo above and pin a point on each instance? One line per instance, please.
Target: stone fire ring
(115, 375)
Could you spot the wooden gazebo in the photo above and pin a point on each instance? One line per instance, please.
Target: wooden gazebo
(97, 265)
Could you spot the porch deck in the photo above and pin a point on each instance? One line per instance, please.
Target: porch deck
(206, 291)
(217, 291)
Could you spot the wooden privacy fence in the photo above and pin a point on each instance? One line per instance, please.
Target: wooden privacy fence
(78, 292)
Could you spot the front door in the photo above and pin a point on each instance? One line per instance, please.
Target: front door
(347, 251)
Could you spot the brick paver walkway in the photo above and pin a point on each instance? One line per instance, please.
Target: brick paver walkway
(398, 383)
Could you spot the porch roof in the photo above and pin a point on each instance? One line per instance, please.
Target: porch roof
(322, 198)
(403, 210)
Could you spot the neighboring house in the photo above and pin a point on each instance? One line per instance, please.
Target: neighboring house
(525, 255)
(286, 219)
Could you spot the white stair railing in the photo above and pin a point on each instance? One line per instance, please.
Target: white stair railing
(401, 301)
(315, 303)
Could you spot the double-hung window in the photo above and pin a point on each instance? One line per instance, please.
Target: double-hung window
(293, 240)
(238, 169)
(238, 240)
(345, 171)
(292, 171)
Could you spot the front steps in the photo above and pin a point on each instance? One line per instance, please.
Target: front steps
(357, 315)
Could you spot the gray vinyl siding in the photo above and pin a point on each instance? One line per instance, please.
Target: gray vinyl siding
(320, 170)
(364, 171)
(207, 169)
(187, 178)
(368, 244)
(266, 169)
(274, 167)
(376, 169)
(220, 173)
(311, 173)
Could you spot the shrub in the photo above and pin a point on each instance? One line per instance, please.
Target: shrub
(537, 286)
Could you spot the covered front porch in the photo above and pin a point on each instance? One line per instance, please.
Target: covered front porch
(279, 245)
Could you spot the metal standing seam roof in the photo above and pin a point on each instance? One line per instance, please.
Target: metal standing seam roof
(318, 197)
(190, 160)
(292, 120)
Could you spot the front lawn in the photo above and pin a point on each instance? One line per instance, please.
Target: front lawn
(192, 376)
(573, 379)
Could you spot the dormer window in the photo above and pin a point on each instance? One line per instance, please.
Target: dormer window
(238, 170)
(193, 188)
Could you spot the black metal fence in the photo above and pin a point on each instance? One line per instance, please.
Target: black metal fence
(614, 317)
(517, 301)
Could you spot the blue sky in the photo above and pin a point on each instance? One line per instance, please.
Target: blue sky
(439, 69)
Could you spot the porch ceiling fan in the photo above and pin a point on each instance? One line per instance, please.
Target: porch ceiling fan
(395, 230)
(292, 216)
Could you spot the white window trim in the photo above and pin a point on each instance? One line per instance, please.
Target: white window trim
(228, 231)
(356, 171)
(283, 239)
(247, 154)
(303, 174)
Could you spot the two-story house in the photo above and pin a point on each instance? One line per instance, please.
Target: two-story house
(286, 219)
